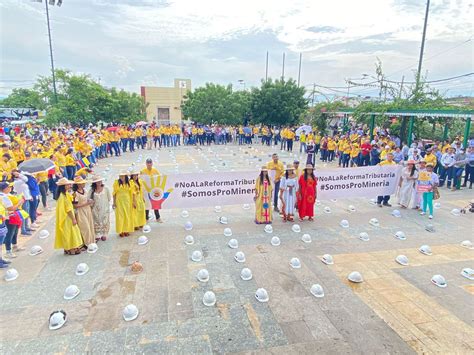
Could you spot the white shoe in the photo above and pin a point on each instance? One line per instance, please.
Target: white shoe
(34, 225)
(422, 213)
(11, 255)
(430, 216)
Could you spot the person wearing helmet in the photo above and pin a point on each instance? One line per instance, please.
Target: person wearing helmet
(122, 204)
(68, 234)
(138, 212)
(263, 197)
(426, 183)
(306, 193)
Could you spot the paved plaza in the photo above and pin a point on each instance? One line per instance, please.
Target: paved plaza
(395, 310)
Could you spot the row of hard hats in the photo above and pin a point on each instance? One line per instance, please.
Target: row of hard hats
(217, 209)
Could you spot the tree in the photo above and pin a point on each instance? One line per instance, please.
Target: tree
(214, 103)
(318, 114)
(26, 98)
(278, 102)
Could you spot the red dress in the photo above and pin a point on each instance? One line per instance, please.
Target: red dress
(306, 196)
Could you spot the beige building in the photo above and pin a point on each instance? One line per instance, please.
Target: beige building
(164, 103)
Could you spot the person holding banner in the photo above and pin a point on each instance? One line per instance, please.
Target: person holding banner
(307, 193)
(263, 198)
(288, 188)
(151, 171)
(276, 170)
(122, 204)
(426, 183)
(139, 218)
(407, 184)
(386, 198)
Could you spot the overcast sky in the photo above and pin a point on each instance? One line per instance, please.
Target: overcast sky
(128, 43)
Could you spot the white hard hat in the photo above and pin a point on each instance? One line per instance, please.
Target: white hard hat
(327, 259)
(318, 203)
(227, 232)
(468, 273)
(344, 223)
(71, 292)
(189, 240)
(223, 220)
(146, 228)
(317, 291)
(456, 212)
(430, 228)
(188, 226)
(92, 248)
(333, 200)
(261, 295)
(246, 206)
(184, 214)
(11, 275)
(425, 249)
(130, 313)
(437, 205)
(57, 319)
(296, 228)
(142, 240)
(196, 256)
(467, 244)
(107, 168)
(268, 228)
(246, 274)
(275, 241)
(82, 269)
(402, 260)
(43, 234)
(295, 263)
(396, 213)
(306, 238)
(209, 299)
(374, 222)
(218, 209)
(351, 208)
(233, 244)
(355, 276)
(239, 257)
(373, 201)
(203, 275)
(439, 281)
(327, 209)
(364, 236)
(35, 250)
(400, 235)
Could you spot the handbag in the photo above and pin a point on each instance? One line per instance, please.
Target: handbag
(436, 194)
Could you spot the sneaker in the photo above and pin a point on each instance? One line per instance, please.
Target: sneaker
(430, 216)
(11, 255)
(5, 261)
(3, 265)
(34, 225)
(422, 213)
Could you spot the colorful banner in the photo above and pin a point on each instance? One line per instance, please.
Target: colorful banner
(233, 188)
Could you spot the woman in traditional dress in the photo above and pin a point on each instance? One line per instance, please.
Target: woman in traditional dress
(307, 193)
(263, 198)
(101, 196)
(310, 149)
(68, 236)
(138, 212)
(288, 188)
(407, 184)
(82, 206)
(123, 197)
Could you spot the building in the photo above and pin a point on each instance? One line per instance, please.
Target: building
(164, 103)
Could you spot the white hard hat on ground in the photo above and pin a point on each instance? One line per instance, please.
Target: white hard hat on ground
(218, 209)
(130, 313)
(396, 213)
(35, 250)
(11, 275)
(209, 299)
(227, 232)
(268, 228)
(82, 269)
(188, 226)
(439, 281)
(142, 240)
(296, 228)
(351, 208)
(317, 291)
(425, 249)
(374, 222)
(71, 292)
(467, 244)
(146, 228)
(327, 259)
(402, 260)
(364, 236)
(275, 241)
(246, 274)
(344, 223)
(239, 257)
(306, 238)
(261, 295)
(468, 273)
(295, 263)
(43, 234)
(184, 214)
(456, 212)
(400, 235)
(437, 205)
(92, 248)
(223, 220)
(203, 275)
(233, 244)
(196, 256)
(189, 240)
(355, 276)
(57, 319)
(327, 209)
(246, 206)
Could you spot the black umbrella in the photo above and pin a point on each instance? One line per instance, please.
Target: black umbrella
(37, 165)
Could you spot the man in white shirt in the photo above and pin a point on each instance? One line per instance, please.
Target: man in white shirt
(447, 167)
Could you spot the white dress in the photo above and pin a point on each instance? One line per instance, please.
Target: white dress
(289, 187)
(407, 187)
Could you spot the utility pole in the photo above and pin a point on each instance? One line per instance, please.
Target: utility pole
(299, 69)
(283, 68)
(401, 88)
(420, 61)
(266, 69)
(51, 51)
(314, 90)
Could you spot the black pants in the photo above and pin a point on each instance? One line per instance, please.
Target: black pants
(157, 214)
(276, 194)
(383, 199)
(43, 186)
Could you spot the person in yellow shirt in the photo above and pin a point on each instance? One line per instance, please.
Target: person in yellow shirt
(340, 150)
(290, 137)
(384, 153)
(331, 149)
(151, 171)
(70, 164)
(384, 199)
(303, 142)
(277, 169)
(138, 211)
(430, 158)
(355, 151)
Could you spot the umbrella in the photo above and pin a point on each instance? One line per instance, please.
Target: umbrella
(304, 128)
(112, 129)
(37, 165)
(141, 123)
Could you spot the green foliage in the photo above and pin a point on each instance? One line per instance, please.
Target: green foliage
(278, 102)
(214, 103)
(26, 98)
(319, 118)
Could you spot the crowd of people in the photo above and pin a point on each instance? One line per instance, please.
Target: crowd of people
(82, 215)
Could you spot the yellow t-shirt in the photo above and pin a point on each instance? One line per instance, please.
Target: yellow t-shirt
(278, 167)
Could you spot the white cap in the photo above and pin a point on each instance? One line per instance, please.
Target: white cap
(142, 240)
(396, 213)
(184, 214)
(439, 281)
(189, 240)
(400, 235)
(57, 319)
(11, 275)
(82, 269)
(43, 234)
(327, 209)
(261, 295)
(239, 257)
(218, 209)
(327, 259)
(35, 250)
(275, 241)
(203, 275)
(233, 244)
(196, 256)
(71, 292)
(130, 313)
(425, 249)
(209, 299)
(246, 274)
(344, 223)
(227, 232)
(92, 248)
(295, 263)
(355, 276)
(188, 226)
(402, 260)
(268, 228)
(306, 238)
(146, 228)
(364, 236)
(296, 228)
(317, 291)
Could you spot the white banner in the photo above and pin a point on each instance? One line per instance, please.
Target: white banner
(232, 188)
